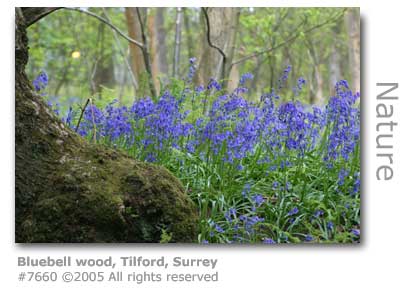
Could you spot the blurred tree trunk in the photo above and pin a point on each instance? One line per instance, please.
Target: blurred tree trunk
(223, 24)
(334, 67)
(353, 29)
(104, 71)
(272, 65)
(231, 47)
(161, 42)
(64, 77)
(255, 83)
(157, 45)
(134, 32)
(178, 41)
(141, 59)
(153, 46)
(316, 92)
(188, 33)
(234, 78)
(335, 74)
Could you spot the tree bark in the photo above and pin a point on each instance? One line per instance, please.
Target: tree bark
(188, 33)
(161, 41)
(158, 49)
(222, 26)
(353, 28)
(134, 31)
(316, 93)
(70, 190)
(178, 41)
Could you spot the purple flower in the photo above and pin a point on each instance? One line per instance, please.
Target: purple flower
(318, 213)
(192, 69)
(214, 84)
(199, 89)
(356, 232)
(292, 212)
(231, 213)
(218, 229)
(284, 77)
(341, 176)
(245, 77)
(258, 199)
(41, 81)
(308, 238)
(330, 225)
(268, 241)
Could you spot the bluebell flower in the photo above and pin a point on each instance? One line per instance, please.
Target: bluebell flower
(330, 225)
(292, 212)
(41, 81)
(218, 229)
(231, 213)
(192, 69)
(284, 77)
(245, 77)
(268, 241)
(308, 238)
(258, 199)
(199, 89)
(356, 232)
(214, 84)
(68, 119)
(318, 213)
(341, 176)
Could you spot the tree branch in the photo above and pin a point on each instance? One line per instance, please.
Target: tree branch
(34, 14)
(82, 113)
(107, 22)
(290, 39)
(143, 46)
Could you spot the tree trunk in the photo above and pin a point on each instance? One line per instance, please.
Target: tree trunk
(158, 49)
(335, 68)
(222, 25)
(353, 28)
(161, 48)
(178, 41)
(104, 71)
(335, 74)
(134, 31)
(70, 190)
(188, 33)
(316, 94)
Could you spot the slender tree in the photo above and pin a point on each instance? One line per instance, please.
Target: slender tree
(353, 28)
(178, 41)
(134, 31)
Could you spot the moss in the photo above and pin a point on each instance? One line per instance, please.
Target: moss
(69, 190)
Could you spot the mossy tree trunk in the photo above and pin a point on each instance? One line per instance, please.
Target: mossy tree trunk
(69, 190)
